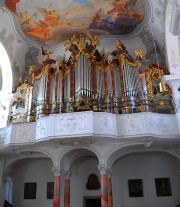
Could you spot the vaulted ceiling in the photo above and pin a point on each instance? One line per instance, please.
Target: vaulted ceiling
(26, 26)
(51, 22)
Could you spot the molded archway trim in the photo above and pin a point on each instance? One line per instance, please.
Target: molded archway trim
(6, 72)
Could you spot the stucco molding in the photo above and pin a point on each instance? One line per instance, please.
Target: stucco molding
(57, 170)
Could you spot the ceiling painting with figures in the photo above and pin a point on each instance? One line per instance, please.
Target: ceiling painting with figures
(51, 22)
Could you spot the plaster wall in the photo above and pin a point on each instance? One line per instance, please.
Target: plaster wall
(2, 187)
(136, 166)
(146, 167)
(2, 195)
(172, 43)
(39, 171)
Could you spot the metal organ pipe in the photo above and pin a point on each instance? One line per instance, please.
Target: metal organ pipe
(117, 84)
(131, 81)
(124, 80)
(83, 85)
(67, 86)
(110, 92)
(59, 91)
(52, 90)
(98, 80)
(116, 78)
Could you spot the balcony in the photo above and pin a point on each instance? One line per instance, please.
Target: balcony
(91, 125)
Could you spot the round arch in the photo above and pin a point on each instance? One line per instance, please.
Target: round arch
(123, 151)
(6, 71)
(5, 85)
(28, 167)
(140, 172)
(73, 154)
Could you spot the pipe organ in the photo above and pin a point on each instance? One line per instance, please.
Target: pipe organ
(91, 80)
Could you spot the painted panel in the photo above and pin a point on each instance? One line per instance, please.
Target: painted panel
(51, 22)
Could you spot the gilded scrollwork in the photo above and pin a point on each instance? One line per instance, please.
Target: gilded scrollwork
(20, 103)
(149, 84)
(95, 80)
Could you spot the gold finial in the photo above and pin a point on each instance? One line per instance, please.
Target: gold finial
(20, 80)
(93, 39)
(31, 69)
(139, 54)
(81, 42)
(70, 41)
(118, 45)
(103, 51)
(110, 58)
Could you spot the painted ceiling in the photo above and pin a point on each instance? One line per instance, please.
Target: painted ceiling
(51, 22)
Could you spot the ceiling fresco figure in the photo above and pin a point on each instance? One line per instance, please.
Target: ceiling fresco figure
(50, 23)
(11, 5)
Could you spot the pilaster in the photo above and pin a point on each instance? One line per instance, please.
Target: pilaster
(56, 198)
(67, 175)
(104, 192)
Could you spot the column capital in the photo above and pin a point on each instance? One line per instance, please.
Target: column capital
(109, 172)
(56, 170)
(67, 174)
(102, 169)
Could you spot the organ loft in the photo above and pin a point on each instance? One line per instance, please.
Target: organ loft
(91, 80)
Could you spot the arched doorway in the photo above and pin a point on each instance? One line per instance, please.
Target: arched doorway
(82, 178)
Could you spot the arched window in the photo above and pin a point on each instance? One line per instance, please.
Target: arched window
(5, 85)
(5, 72)
(0, 79)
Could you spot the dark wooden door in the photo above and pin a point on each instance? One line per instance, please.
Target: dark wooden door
(92, 202)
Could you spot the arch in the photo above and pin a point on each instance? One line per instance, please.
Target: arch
(123, 151)
(6, 71)
(6, 85)
(30, 169)
(71, 155)
(145, 167)
(27, 155)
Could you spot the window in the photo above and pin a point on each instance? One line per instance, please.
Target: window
(5, 85)
(5, 72)
(0, 79)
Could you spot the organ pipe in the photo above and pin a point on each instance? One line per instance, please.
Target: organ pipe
(90, 81)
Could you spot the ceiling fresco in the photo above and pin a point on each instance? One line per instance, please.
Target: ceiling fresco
(51, 22)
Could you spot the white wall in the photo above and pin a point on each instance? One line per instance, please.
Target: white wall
(38, 171)
(135, 166)
(146, 167)
(172, 43)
